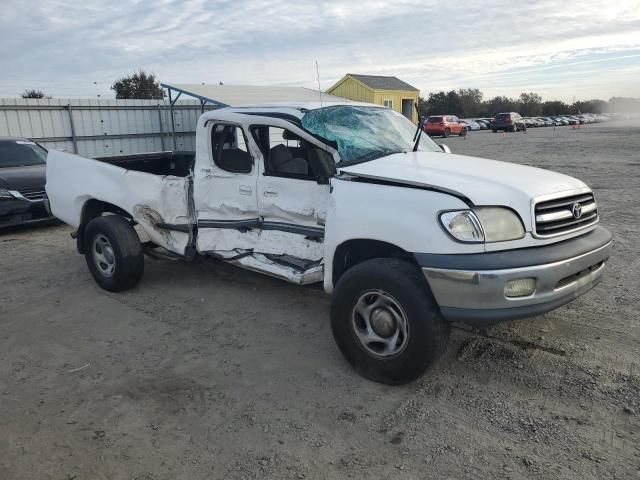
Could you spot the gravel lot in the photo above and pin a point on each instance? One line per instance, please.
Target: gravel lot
(207, 371)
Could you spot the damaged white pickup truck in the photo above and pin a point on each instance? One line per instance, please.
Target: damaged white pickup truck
(406, 238)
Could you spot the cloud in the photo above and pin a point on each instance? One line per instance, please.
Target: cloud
(71, 48)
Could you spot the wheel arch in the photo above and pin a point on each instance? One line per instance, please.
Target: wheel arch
(91, 209)
(354, 251)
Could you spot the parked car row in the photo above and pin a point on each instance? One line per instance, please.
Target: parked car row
(513, 121)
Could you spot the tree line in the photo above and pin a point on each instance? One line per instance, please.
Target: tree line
(470, 103)
(464, 102)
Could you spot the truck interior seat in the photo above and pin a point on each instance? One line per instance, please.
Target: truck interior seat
(281, 160)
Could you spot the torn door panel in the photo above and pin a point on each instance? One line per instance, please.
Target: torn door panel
(261, 263)
(271, 242)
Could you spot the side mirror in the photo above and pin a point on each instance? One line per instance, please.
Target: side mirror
(445, 148)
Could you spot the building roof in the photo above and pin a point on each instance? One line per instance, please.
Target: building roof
(236, 95)
(379, 82)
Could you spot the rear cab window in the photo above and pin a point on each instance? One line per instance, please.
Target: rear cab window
(229, 149)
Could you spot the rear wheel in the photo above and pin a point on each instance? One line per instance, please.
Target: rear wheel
(113, 253)
(446, 133)
(386, 322)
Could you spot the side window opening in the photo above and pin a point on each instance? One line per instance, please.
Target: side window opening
(229, 149)
(286, 154)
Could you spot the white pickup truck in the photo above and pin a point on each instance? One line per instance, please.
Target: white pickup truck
(406, 236)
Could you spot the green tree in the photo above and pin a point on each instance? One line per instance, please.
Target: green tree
(139, 85)
(32, 93)
(554, 107)
(437, 103)
(588, 106)
(444, 103)
(500, 104)
(530, 104)
(470, 101)
(423, 107)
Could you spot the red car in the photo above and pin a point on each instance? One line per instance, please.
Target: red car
(445, 125)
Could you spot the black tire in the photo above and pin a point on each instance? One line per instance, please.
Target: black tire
(463, 132)
(426, 333)
(494, 130)
(112, 238)
(446, 133)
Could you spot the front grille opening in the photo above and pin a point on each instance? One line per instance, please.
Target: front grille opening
(33, 194)
(576, 276)
(565, 215)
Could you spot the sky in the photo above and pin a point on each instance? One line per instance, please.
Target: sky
(569, 50)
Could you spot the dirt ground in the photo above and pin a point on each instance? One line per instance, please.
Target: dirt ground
(205, 371)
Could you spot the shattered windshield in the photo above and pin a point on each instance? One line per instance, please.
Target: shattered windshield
(365, 133)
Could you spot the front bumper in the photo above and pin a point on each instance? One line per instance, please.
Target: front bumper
(21, 211)
(470, 288)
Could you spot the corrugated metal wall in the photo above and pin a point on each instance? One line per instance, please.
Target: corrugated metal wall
(101, 127)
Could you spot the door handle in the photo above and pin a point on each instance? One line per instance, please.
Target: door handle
(245, 189)
(270, 193)
(205, 170)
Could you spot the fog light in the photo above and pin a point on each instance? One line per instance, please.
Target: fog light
(520, 287)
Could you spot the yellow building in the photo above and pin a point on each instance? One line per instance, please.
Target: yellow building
(388, 91)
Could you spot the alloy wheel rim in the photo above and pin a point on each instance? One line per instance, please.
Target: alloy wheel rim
(103, 255)
(380, 324)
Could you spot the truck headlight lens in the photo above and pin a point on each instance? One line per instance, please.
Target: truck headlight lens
(483, 224)
(463, 225)
(4, 193)
(499, 224)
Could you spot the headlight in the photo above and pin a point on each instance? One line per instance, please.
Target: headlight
(4, 193)
(499, 224)
(484, 224)
(463, 225)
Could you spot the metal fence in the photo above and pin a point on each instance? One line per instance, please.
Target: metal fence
(100, 128)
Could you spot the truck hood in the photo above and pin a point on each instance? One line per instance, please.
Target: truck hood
(478, 180)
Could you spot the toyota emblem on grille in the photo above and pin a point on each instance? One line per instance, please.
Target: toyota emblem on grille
(576, 209)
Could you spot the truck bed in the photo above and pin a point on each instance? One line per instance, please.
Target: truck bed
(152, 188)
(178, 163)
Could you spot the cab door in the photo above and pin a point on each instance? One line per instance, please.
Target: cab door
(225, 197)
(292, 202)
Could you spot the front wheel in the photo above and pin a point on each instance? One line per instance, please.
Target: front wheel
(446, 133)
(463, 132)
(386, 322)
(113, 253)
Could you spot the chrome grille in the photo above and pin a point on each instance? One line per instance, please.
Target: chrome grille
(565, 215)
(33, 195)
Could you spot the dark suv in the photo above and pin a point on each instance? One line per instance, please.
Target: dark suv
(508, 122)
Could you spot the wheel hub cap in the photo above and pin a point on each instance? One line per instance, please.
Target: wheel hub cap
(382, 322)
(103, 255)
(379, 324)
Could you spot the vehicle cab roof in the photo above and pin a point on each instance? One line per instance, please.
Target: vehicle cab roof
(295, 109)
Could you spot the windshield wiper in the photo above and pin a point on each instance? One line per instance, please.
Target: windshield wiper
(416, 137)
